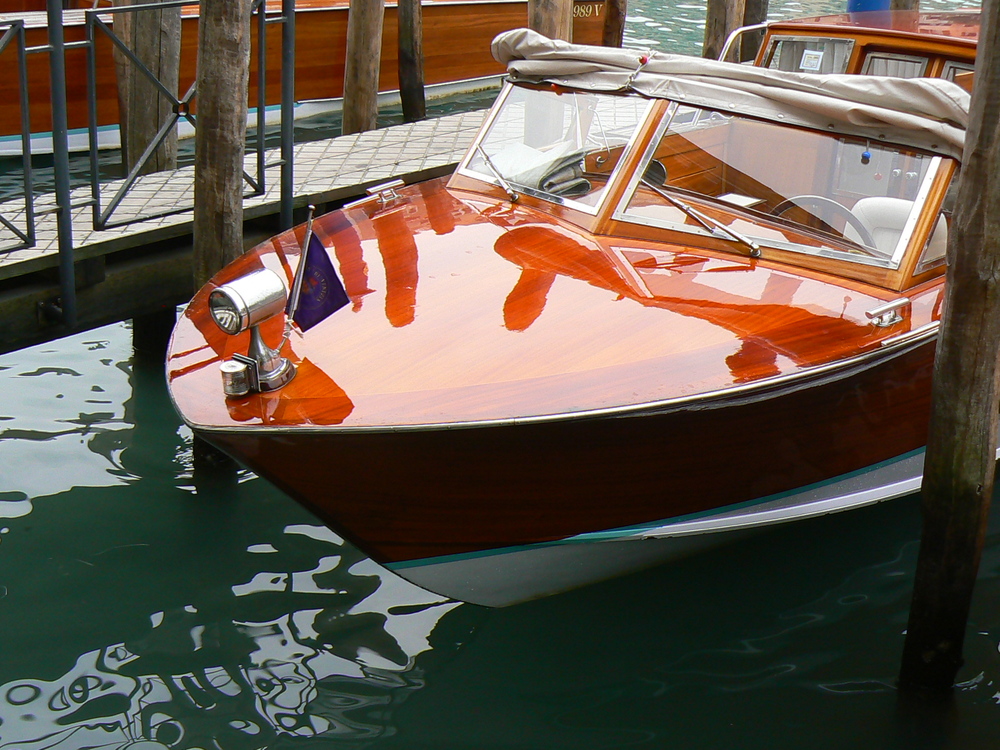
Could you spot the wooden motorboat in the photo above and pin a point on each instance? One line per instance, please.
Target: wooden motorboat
(660, 298)
(456, 38)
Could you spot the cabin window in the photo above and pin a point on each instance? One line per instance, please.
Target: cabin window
(896, 65)
(827, 195)
(563, 147)
(809, 54)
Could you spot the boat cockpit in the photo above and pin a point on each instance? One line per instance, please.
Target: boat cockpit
(703, 173)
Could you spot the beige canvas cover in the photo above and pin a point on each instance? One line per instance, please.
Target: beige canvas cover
(929, 113)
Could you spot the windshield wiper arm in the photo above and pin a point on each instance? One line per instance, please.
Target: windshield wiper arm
(706, 221)
(511, 193)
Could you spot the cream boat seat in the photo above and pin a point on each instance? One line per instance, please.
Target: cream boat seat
(884, 218)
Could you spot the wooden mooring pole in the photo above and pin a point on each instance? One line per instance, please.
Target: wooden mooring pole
(961, 446)
(222, 79)
(723, 17)
(554, 18)
(613, 34)
(754, 12)
(411, 60)
(217, 225)
(154, 37)
(361, 69)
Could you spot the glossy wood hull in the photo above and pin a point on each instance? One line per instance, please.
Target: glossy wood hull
(457, 38)
(525, 396)
(431, 492)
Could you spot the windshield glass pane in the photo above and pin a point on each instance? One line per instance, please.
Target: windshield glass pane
(783, 187)
(558, 146)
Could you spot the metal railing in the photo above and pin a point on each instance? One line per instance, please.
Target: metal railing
(12, 35)
(12, 32)
(181, 106)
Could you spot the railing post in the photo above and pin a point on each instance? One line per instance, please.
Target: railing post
(60, 159)
(287, 113)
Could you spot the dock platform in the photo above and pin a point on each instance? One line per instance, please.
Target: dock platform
(138, 268)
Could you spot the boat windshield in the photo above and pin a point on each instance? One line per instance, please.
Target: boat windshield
(561, 146)
(781, 186)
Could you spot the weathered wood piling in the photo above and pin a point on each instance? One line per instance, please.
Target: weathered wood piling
(961, 447)
(614, 22)
(223, 81)
(724, 17)
(721, 19)
(364, 52)
(411, 60)
(554, 18)
(154, 37)
(223, 75)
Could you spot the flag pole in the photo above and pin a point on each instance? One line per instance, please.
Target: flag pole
(293, 296)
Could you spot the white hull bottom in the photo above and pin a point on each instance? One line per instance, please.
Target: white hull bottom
(508, 576)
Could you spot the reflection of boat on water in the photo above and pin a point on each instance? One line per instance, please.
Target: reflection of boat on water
(628, 321)
(331, 669)
(456, 36)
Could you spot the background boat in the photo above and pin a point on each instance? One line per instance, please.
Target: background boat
(456, 42)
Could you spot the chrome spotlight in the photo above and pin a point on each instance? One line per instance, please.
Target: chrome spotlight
(245, 303)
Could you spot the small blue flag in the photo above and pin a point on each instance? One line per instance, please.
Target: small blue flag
(321, 292)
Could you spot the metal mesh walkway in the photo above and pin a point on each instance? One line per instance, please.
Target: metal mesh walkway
(324, 171)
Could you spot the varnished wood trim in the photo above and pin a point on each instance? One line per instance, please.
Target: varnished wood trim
(635, 154)
(926, 224)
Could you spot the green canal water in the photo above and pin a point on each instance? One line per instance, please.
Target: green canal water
(140, 608)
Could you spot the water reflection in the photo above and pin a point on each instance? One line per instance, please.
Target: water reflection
(157, 613)
(767, 318)
(399, 256)
(289, 685)
(173, 613)
(323, 650)
(58, 396)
